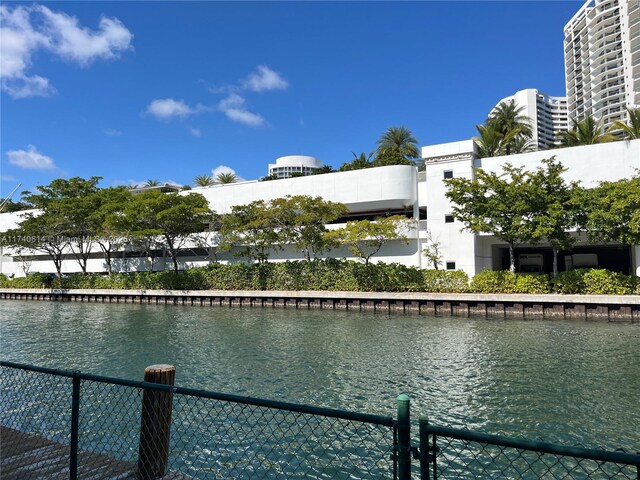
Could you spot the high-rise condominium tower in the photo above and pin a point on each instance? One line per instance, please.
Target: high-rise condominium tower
(548, 115)
(602, 59)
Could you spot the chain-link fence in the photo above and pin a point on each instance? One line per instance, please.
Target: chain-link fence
(212, 435)
(449, 453)
(60, 424)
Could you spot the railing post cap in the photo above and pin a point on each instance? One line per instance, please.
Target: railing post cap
(403, 397)
(163, 367)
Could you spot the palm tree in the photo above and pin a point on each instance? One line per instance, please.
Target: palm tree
(587, 131)
(151, 183)
(630, 130)
(226, 177)
(359, 162)
(507, 118)
(397, 146)
(521, 144)
(492, 142)
(203, 181)
(322, 170)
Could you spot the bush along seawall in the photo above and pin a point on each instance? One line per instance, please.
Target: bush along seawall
(348, 285)
(341, 275)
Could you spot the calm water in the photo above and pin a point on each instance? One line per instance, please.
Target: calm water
(563, 381)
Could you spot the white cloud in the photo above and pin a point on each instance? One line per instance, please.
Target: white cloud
(25, 86)
(167, 108)
(112, 132)
(30, 159)
(7, 178)
(233, 106)
(196, 132)
(264, 79)
(27, 29)
(140, 183)
(79, 44)
(224, 169)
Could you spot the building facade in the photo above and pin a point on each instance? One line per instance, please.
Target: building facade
(398, 189)
(548, 115)
(602, 60)
(589, 165)
(294, 164)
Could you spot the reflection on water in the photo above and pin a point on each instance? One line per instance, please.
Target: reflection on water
(562, 381)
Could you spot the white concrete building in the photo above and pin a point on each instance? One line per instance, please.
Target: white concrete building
(473, 253)
(602, 59)
(391, 190)
(548, 115)
(285, 166)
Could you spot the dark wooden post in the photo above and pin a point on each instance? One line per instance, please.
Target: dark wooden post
(155, 425)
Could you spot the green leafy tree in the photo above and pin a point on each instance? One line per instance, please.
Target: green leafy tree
(72, 202)
(225, 178)
(497, 204)
(396, 146)
(613, 211)
(365, 238)
(631, 129)
(358, 163)
(165, 220)
(253, 229)
(203, 181)
(11, 206)
(151, 183)
(301, 221)
(556, 207)
(432, 250)
(111, 204)
(587, 131)
(45, 232)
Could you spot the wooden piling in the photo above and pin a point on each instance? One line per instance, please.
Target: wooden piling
(155, 425)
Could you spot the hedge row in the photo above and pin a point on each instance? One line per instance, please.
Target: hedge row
(342, 275)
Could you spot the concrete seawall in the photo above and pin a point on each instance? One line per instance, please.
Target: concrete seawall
(614, 308)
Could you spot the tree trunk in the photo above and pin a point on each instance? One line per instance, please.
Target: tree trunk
(555, 261)
(58, 263)
(512, 259)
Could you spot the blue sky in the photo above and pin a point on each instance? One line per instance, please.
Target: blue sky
(131, 91)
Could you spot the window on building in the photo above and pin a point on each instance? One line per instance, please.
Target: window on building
(448, 174)
(448, 219)
(451, 265)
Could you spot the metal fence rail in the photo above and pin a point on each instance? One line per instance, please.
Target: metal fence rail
(213, 435)
(448, 453)
(63, 424)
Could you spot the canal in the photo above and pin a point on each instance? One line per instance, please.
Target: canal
(571, 382)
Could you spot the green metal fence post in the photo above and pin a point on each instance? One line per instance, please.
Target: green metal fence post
(404, 437)
(75, 423)
(425, 456)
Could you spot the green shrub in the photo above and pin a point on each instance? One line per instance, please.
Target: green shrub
(34, 280)
(503, 281)
(605, 282)
(445, 281)
(490, 281)
(339, 275)
(532, 284)
(570, 282)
